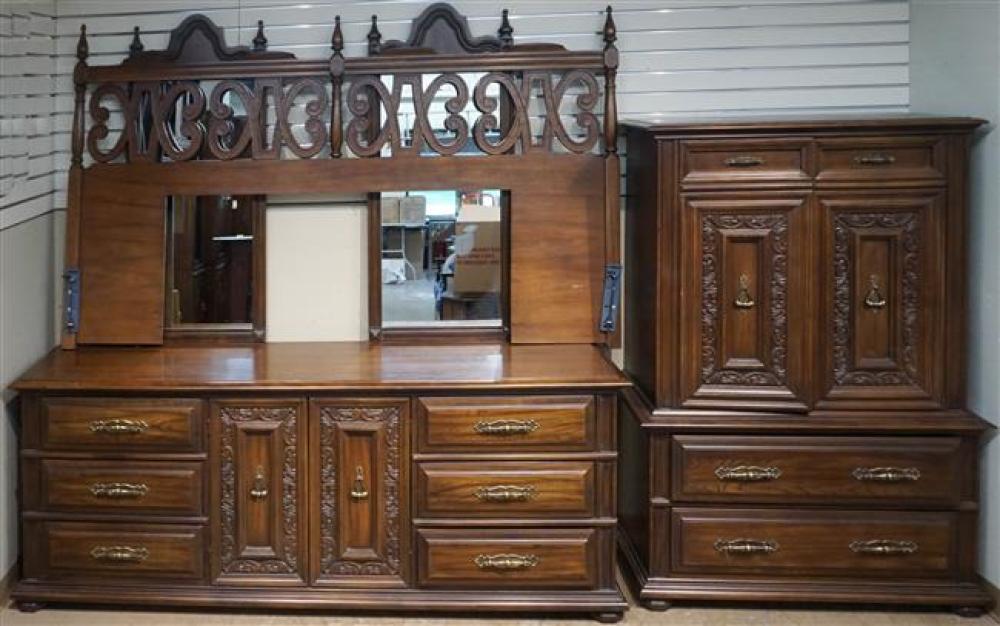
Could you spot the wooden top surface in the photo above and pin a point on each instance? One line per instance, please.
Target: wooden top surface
(342, 366)
(819, 123)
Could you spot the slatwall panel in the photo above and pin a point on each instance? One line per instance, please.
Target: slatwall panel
(27, 110)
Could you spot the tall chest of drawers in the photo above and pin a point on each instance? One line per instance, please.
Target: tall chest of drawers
(795, 326)
(333, 492)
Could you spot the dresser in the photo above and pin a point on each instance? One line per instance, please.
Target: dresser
(322, 476)
(795, 328)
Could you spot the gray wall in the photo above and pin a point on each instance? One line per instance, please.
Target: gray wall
(955, 63)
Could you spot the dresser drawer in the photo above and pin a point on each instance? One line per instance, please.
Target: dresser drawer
(121, 425)
(814, 543)
(881, 158)
(506, 424)
(914, 471)
(743, 160)
(505, 489)
(507, 559)
(116, 487)
(128, 553)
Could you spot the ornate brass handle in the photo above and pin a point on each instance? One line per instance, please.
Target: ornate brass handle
(875, 158)
(747, 473)
(120, 554)
(118, 426)
(874, 298)
(745, 546)
(119, 490)
(506, 427)
(506, 561)
(259, 489)
(886, 474)
(743, 299)
(506, 493)
(884, 547)
(358, 491)
(744, 160)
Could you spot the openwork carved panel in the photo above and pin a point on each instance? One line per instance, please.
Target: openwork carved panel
(236, 473)
(713, 371)
(905, 227)
(385, 488)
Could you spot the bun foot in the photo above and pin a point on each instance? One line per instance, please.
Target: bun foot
(30, 607)
(657, 605)
(969, 611)
(609, 618)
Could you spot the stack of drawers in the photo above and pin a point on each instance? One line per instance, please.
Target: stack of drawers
(515, 492)
(119, 491)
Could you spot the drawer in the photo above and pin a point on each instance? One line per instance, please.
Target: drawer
(505, 489)
(743, 160)
(881, 158)
(914, 471)
(835, 543)
(507, 559)
(128, 553)
(507, 424)
(121, 425)
(116, 487)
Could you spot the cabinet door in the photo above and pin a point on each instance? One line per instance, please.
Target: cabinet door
(882, 297)
(745, 301)
(258, 474)
(361, 486)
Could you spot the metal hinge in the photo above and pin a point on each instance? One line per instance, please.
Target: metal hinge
(71, 299)
(612, 293)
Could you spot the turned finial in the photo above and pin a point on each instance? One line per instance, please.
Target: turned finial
(82, 49)
(506, 31)
(374, 38)
(136, 46)
(337, 41)
(610, 31)
(259, 40)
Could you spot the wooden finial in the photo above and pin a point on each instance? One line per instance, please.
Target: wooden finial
(374, 38)
(82, 50)
(610, 31)
(337, 41)
(136, 46)
(506, 31)
(259, 40)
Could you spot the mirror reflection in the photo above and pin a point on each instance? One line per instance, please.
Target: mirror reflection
(442, 257)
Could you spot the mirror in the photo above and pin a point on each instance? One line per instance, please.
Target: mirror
(442, 257)
(215, 264)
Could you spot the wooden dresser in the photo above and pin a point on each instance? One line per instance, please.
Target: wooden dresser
(322, 476)
(795, 327)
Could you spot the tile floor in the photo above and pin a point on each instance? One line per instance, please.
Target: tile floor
(678, 616)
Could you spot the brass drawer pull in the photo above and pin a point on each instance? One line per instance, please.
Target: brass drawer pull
(747, 473)
(120, 554)
(119, 490)
(119, 426)
(745, 546)
(506, 561)
(884, 547)
(886, 474)
(359, 491)
(259, 489)
(744, 160)
(875, 158)
(506, 493)
(874, 298)
(506, 427)
(743, 299)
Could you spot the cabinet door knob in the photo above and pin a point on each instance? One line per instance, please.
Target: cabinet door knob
(120, 554)
(886, 474)
(874, 298)
(884, 547)
(745, 546)
(358, 490)
(506, 561)
(743, 299)
(506, 427)
(747, 473)
(118, 426)
(259, 489)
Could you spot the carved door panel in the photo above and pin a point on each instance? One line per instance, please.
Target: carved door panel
(361, 486)
(745, 301)
(882, 300)
(258, 491)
